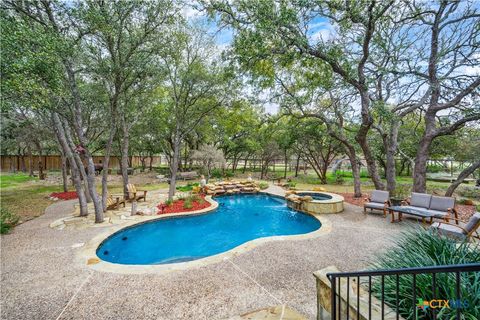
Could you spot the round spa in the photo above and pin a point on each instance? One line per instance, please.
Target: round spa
(323, 202)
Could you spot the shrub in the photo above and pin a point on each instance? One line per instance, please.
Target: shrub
(292, 184)
(168, 202)
(402, 191)
(216, 173)
(188, 187)
(188, 204)
(263, 185)
(419, 248)
(194, 198)
(339, 179)
(229, 174)
(469, 192)
(7, 220)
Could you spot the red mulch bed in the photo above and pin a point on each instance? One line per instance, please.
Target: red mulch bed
(177, 206)
(464, 211)
(65, 195)
(350, 199)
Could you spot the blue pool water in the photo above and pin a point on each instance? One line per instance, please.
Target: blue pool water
(315, 196)
(237, 220)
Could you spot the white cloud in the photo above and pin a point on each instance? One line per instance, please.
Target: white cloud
(322, 31)
(271, 107)
(190, 12)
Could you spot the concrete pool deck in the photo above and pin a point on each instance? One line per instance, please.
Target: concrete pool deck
(41, 279)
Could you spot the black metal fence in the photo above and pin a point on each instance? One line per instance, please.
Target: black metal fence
(363, 281)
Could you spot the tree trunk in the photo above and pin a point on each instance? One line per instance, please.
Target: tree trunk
(79, 130)
(64, 170)
(106, 161)
(402, 167)
(78, 162)
(357, 185)
(297, 164)
(371, 165)
(245, 164)
(174, 168)
(30, 162)
(361, 138)
(391, 150)
(286, 164)
(420, 168)
(352, 156)
(62, 139)
(185, 157)
(150, 168)
(264, 164)
(23, 165)
(462, 176)
(124, 160)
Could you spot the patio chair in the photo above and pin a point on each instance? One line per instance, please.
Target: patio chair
(441, 207)
(113, 204)
(134, 195)
(378, 200)
(458, 232)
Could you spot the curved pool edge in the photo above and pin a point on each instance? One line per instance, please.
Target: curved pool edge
(334, 205)
(89, 250)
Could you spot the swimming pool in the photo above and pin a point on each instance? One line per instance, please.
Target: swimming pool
(237, 220)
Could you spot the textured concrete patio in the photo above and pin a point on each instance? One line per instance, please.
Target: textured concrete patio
(42, 279)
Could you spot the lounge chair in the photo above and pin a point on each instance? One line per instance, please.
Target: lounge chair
(458, 232)
(378, 200)
(134, 194)
(114, 203)
(441, 207)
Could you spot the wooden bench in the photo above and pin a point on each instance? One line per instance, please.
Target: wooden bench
(190, 175)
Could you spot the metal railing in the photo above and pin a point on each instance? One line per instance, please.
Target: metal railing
(376, 280)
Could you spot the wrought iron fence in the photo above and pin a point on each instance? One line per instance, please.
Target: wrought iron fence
(359, 288)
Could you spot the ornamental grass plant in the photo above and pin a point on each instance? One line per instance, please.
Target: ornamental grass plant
(419, 248)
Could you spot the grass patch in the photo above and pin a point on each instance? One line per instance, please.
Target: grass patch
(11, 180)
(28, 201)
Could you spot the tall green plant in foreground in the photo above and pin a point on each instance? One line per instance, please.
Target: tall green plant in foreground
(420, 248)
(7, 220)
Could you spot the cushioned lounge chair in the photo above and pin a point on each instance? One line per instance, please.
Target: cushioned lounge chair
(441, 207)
(378, 200)
(458, 232)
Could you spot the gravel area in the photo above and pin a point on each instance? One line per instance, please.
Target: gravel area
(42, 279)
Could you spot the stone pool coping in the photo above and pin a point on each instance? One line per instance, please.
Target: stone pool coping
(88, 254)
(335, 197)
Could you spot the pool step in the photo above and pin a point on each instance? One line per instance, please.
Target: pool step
(271, 313)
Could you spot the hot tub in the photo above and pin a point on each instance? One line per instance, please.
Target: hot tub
(323, 202)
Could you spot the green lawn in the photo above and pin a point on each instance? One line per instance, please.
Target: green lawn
(10, 180)
(27, 201)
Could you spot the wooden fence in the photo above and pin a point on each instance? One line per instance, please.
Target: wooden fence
(54, 162)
